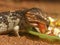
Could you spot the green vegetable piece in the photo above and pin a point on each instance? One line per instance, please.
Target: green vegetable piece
(43, 36)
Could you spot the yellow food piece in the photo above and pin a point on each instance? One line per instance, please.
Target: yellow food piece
(51, 21)
(57, 23)
(54, 22)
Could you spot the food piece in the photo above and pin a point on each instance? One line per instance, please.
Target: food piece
(57, 22)
(54, 27)
(57, 31)
(44, 36)
(52, 20)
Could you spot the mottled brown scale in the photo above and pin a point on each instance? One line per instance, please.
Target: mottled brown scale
(10, 20)
(3, 24)
(23, 20)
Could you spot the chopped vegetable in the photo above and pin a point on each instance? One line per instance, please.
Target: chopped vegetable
(57, 22)
(54, 27)
(44, 36)
(57, 31)
(52, 20)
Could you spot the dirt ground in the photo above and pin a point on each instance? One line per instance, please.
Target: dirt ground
(23, 40)
(49, 7)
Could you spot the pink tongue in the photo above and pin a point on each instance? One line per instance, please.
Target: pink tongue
(42, 27)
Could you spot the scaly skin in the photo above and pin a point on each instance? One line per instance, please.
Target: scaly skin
(20, 20)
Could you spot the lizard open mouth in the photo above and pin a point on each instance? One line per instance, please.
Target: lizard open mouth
(37, 19)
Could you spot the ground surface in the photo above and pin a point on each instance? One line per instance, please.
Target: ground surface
(26, 39)
(23, 40)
